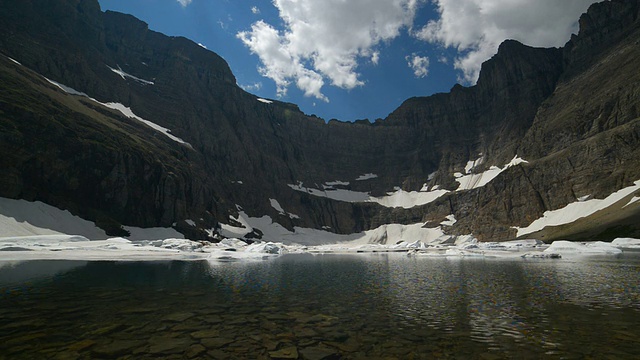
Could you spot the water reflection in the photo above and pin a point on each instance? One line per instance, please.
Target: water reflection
(349, 306)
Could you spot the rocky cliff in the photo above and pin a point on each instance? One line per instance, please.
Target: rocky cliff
(571, 113)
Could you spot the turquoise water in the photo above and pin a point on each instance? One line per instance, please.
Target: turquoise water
(322, 307)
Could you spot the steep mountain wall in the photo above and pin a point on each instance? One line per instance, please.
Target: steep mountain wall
(572, 113)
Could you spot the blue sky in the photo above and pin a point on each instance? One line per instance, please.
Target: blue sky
(356, 59)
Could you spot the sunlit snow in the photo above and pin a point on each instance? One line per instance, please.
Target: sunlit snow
(265, 101)
(67, 89)
(474, 181)
(577, 210)
(126, 111)
(124, 76)
(398, 198)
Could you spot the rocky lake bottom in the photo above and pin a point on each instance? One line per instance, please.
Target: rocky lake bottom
(380, 306)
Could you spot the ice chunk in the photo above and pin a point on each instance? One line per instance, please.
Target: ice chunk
(575, 248)
(626, 243)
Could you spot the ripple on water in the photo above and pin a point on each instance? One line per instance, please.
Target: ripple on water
(301, 307)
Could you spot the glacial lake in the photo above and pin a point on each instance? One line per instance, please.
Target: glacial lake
(379, 306)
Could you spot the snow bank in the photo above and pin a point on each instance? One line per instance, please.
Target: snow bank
(26, 218)
(398, 198)
(124, 76)
(577, 210)
(276, 205)
(126, 111)
(366, 177)
(474, 181)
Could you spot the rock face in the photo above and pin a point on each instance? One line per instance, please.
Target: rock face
(572, 113)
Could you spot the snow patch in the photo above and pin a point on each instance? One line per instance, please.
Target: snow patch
(126, 111)
(68, 90)
(472, 165)
(15, 61)
(474, 181)
(366, 177)
(124, 76)
(276, 205)
(633, 200)
(25, 218)
(264, 101)
(451, 220)
(337, 183)
(190, 222)
(398, 198)
(577, 210)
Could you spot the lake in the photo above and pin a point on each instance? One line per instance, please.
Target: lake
(379, 306)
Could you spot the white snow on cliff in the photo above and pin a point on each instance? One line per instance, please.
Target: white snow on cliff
(474, 181)
(577, 210)
(124, 76)
(366, 177)
(26, 218)
(276, 205)
(126, 111)
(397, 198)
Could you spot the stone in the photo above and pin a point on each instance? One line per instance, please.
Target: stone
(195, 351)
(82, 345)
(211, 333)
(319, 353)
(116, 348)
(215, 342)
(161, 345)
(178, 317)
(290, 352)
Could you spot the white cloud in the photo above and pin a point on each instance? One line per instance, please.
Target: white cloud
(255, 10)
(184, 3)
(477, 27)
(252, 87)
(325, 40)
(375, 57)
(419, 65)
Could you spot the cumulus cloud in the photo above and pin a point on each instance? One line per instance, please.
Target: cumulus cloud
(255, 10)
(184, 3)
(475, 28)
(419, 65)
(325, 40)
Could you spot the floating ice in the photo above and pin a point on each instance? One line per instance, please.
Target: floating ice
(575, 248)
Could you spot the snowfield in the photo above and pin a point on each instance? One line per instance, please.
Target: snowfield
(34, 231)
